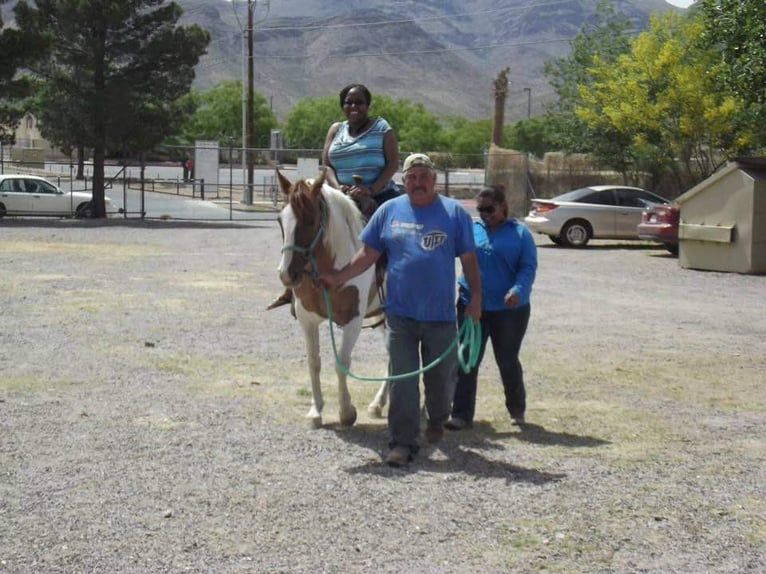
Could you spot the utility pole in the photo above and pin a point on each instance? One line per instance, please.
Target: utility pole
(250, 129)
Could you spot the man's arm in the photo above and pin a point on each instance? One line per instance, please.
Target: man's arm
(470, 265)
(360, 262)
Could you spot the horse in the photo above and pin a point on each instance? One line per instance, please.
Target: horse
(320, 231)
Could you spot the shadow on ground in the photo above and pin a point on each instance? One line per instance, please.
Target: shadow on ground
(462, 454)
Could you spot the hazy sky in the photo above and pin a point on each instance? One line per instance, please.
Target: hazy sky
(682, 3)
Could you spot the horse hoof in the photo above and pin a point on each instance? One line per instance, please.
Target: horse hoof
(315, 422)
(349, 420)
(375, 411)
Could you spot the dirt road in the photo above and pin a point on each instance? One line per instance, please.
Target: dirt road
(151, 420)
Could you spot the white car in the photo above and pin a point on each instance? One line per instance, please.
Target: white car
(33, 195)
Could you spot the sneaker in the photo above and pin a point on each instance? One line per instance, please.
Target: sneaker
(456, 424)
(398, 457)
(434, 434)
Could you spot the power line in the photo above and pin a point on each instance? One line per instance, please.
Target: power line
(415, 52)
(525, 7)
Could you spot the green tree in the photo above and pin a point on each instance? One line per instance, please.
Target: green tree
(467, 140)
(217, 115)
(737, 30)
(116, 70)
(416, 129)
(307, 122)
(660, 100)
(603, 41)
(536, 135)
(17, 50)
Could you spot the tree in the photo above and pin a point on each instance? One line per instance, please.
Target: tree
(416, 129)
(660, 100)
(307, 122)
(17, 50)
(217, 115)
(468, 140)
(115, 73)
(737, 30)
(603, 41)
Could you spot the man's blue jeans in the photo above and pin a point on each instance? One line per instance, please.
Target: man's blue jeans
(408, 341)
(506, 329)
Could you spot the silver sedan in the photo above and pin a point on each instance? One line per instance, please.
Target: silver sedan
(597, 212)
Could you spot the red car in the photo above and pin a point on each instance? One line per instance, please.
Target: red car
(660, 223)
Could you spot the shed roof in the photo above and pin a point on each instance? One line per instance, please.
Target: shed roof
(755, 167)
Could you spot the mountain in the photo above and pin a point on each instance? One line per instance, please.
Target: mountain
(444, 54)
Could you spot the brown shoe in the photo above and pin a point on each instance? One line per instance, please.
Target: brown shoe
(398, 457)
(284, 299)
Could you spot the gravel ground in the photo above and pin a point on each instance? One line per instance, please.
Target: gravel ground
(152, 420)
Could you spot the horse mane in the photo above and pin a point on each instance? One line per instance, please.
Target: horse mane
(344, 224)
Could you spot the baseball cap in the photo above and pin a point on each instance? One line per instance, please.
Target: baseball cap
(418, 160)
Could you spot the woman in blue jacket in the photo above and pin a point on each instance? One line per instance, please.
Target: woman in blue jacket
(508, 263)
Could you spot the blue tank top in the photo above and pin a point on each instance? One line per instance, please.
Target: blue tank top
(361, 155)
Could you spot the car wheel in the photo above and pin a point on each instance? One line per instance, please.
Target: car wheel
(672, 247)
(84, 210)
(576, 233)
(556, 239)
(2, 211)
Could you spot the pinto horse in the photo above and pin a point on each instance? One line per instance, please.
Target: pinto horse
(320, 228)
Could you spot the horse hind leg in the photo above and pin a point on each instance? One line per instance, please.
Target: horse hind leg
(375, 408)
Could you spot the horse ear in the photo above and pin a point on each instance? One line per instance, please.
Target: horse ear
(284, 183)
(319, 182)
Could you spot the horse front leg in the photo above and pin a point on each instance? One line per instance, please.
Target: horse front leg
(351, 332)
(311, 336)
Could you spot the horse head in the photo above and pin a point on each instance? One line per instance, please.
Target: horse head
(303, 221)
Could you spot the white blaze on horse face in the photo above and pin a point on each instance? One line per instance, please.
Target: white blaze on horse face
(289, 223)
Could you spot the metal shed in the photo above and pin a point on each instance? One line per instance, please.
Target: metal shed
(723, 220)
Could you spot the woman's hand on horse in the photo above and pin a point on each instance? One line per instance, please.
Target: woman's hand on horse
(356, 192)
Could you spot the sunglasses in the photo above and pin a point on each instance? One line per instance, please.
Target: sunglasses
(486, 209)
(356, 103)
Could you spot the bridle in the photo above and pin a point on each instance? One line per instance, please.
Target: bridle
(308, 252)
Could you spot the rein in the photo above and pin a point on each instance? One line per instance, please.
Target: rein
(468, 341)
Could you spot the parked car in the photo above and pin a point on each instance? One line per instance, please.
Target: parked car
(660, 223)
(597, 212)
(34, 195)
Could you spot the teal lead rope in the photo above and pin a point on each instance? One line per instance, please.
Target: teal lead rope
(468, 343)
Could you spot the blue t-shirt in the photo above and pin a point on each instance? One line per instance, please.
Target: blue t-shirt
(359, 155)
(422, 244)
(507, 262)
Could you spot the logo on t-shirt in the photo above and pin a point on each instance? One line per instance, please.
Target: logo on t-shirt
(432, 240)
